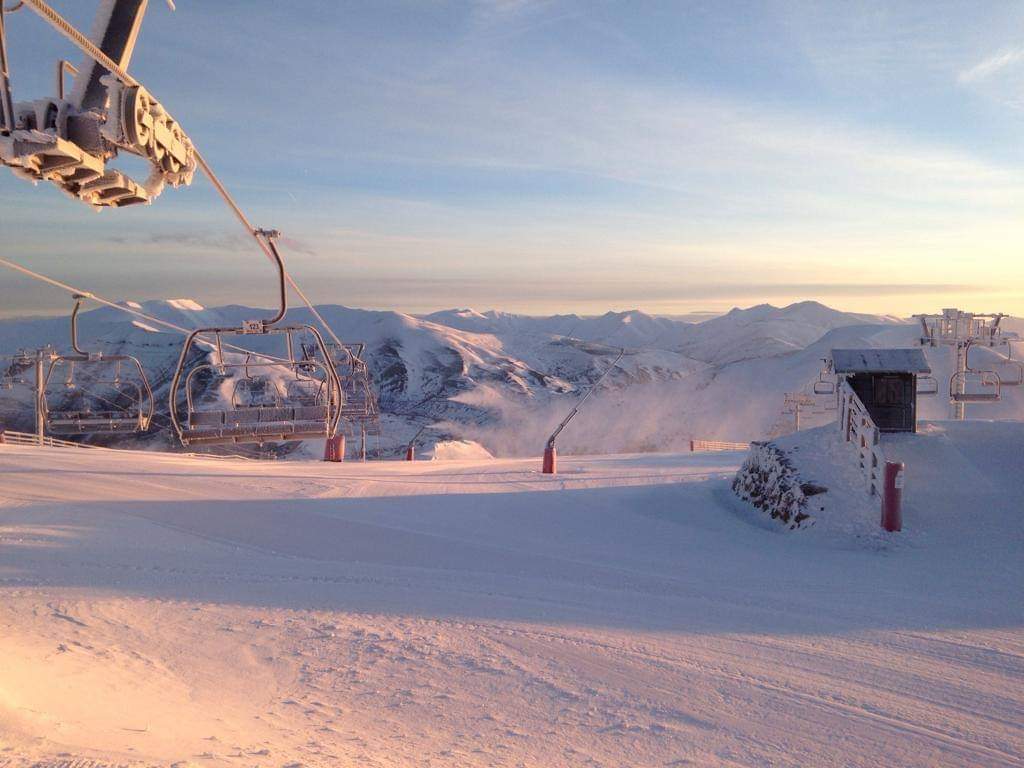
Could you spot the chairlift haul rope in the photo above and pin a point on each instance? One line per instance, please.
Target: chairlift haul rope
(114, 305)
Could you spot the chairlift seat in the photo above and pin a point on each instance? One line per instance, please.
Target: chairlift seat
(975, 397)
(266, 423)
(81, 422)
(311, 413)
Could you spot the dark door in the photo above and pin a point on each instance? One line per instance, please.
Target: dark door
(892, 405)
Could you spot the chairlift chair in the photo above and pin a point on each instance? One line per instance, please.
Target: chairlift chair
(1011, 372)
(824, 387)
(128, 406)
(826, 383)
(985, 379)
(300, 412)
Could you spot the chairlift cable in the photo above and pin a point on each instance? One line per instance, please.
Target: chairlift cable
(130, 310)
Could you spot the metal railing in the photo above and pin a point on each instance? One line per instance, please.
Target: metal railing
(717, 445)
(11, 437)
(860, 430)
(25, 438)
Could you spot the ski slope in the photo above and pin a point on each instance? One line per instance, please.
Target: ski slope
(157, 609)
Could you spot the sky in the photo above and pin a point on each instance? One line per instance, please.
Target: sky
(559, 156)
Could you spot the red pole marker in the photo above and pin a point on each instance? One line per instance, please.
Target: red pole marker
(334, 448)
(410, 453)
(550, 466)
(892, 496)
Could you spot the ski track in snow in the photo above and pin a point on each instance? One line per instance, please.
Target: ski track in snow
(159, 610)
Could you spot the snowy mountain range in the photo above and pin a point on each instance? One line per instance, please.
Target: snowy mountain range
(505, 380)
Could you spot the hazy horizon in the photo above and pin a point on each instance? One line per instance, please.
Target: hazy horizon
(694, 316)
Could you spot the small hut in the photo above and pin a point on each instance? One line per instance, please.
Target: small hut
(885, 380)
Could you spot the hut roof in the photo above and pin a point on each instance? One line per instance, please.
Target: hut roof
(878, 360)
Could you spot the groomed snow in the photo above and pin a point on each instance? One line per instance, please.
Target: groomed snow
(159, 609)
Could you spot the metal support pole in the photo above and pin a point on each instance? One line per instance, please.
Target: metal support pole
(40, 422)
(961, 381)
(362, 442)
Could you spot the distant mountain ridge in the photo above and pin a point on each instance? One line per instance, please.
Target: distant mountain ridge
(505, 380)
(736, 335)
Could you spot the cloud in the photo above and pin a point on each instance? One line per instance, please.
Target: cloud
(205, 241)
(988, 67)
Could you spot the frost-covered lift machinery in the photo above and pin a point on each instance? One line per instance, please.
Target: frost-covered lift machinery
(126, 402)
(963, 330)
(69, 139)
(300, 413)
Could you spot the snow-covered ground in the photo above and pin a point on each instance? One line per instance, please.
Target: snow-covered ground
(159, 609)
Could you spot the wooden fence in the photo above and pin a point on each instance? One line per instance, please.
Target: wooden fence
(859, 429)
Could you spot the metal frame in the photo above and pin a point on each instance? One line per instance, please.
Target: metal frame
(139, 414)
(248, 425)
